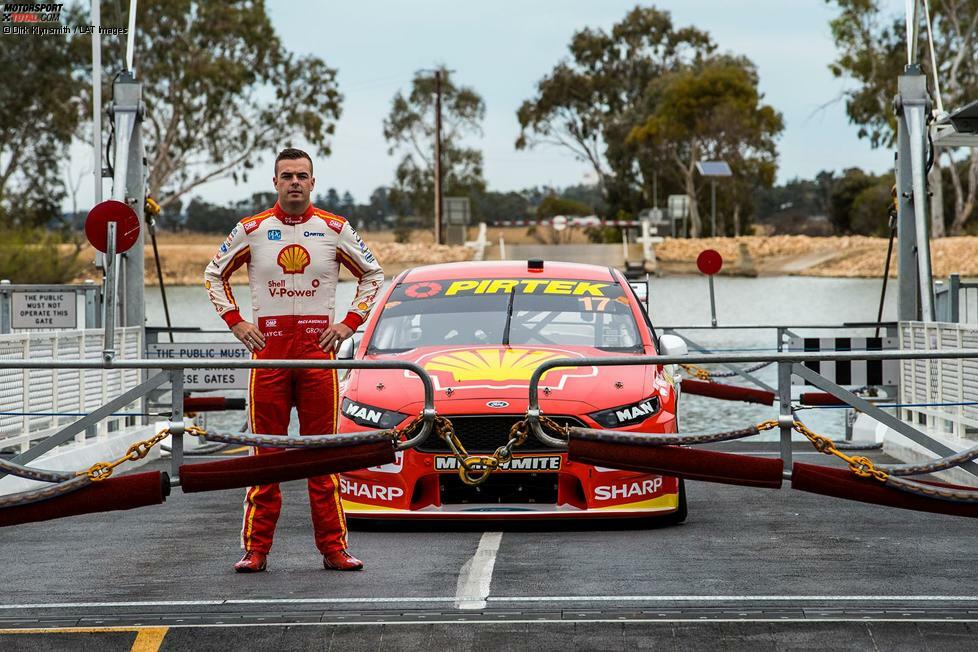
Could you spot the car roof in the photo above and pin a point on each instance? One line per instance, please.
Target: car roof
(507, 269)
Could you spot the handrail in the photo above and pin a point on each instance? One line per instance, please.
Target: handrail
(533, 407)
(427, 415)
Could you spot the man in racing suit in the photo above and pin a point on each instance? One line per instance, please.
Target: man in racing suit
(293, 252)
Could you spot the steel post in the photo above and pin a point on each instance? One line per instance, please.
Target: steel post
(953, 295)
(713, 302)
(5, 307)
(176, 416)
(111, 272)
(786, 416)
(129, 186)
(915, 288)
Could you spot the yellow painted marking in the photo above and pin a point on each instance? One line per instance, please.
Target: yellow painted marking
(235, 451)
(148, 639)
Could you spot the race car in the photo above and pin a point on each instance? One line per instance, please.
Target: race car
(480, 329)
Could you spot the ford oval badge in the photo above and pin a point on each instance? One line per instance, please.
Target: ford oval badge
(497, 404)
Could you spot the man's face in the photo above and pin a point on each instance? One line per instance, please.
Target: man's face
(294, 183)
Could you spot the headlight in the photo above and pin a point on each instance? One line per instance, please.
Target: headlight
(627, 415)
(367, 415)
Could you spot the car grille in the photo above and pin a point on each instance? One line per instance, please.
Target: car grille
(480, 434)
(502, 488)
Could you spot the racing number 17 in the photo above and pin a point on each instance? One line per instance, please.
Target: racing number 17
(593, 304)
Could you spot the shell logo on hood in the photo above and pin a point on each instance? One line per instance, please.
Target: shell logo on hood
(499, 368)
(490, 364)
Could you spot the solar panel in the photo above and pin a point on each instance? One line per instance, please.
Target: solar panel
(714, 168)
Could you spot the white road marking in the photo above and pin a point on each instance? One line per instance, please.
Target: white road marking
(388, 624)
(738, 598)
(535, 598)
(476, 575)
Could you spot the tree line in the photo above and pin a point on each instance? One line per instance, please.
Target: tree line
(640, 103)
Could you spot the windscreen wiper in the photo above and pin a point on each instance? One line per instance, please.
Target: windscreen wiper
(509, 317)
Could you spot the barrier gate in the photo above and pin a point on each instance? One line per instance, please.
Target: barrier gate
(96, 489)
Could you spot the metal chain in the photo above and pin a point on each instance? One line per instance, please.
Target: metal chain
(861, 466)
(696, 371)
(704, 374)
(139, 450)
(473, 470)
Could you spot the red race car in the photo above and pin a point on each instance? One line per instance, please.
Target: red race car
(480, 329)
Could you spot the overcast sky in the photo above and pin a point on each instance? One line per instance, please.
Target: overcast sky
(503, 48)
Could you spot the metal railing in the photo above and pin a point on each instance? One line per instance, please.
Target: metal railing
(788, 365)
(34, 406)
(172, 372)
(949, 298)
(941, 396)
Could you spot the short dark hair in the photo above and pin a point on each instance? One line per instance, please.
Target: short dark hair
(292, 154)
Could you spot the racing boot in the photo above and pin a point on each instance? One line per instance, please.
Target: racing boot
(341, 560)
(252, 562)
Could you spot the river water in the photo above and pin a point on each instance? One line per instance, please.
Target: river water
(673, 301)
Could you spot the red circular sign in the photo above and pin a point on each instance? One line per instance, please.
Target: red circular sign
(126, 230)
(709, 261)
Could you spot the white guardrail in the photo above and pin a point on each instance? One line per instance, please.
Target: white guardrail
(926, 382)
(31, 400)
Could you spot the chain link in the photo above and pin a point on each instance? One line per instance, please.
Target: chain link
(473, 470)
(103, 470)
(861, 466)
(697, 371)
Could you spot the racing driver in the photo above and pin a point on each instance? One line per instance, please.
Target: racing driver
(293, 252)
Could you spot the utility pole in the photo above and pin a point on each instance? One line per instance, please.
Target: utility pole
(438, 192)
(713, 206)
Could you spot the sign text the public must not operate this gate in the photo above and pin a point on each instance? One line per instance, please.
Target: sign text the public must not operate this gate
(43, 310)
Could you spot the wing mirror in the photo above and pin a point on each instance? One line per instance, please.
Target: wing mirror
(672, 345)
(348, 347)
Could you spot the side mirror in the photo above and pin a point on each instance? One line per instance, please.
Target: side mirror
(348, 347)
(672, 345)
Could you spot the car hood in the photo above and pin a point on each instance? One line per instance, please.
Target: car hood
(466, 378)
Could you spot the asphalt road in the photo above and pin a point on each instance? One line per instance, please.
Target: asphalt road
(750, 569)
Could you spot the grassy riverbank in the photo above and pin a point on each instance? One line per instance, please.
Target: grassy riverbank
(183, 256)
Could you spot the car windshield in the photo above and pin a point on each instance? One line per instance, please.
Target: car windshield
(474, 312)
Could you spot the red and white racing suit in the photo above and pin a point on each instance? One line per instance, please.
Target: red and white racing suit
(293, 266)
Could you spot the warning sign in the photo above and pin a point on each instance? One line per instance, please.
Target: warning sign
(206, 378)
(43, 310)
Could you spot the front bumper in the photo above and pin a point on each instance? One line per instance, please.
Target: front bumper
(426, 486)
